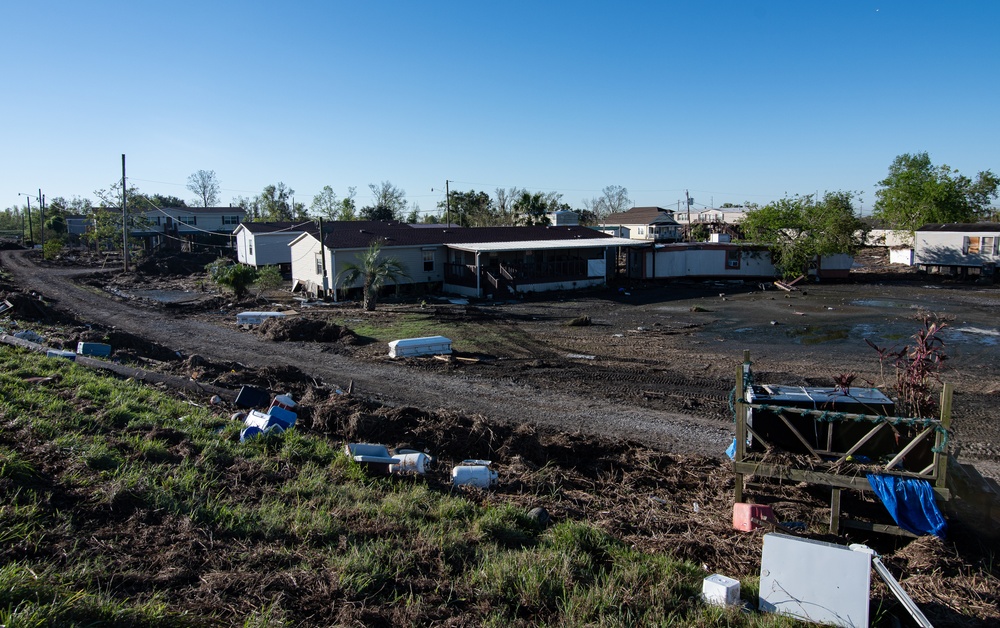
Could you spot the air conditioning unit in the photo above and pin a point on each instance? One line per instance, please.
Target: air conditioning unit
(733, 263)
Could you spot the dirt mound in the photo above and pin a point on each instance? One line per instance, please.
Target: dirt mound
(32, 307)
(304, 329)
(175, 263)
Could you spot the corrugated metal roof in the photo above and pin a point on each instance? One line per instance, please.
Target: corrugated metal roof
(584, 243)
(962, 227)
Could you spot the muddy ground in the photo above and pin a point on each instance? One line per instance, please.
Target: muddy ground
(644, 388)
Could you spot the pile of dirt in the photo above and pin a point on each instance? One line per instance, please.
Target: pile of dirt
(32, 307)
(299, 328)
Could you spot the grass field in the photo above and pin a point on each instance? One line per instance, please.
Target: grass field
(124, 505)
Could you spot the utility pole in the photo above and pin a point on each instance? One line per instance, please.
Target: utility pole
(322, 257)
(447, 202)
(31, 231)
(41, 218)
(124, 219)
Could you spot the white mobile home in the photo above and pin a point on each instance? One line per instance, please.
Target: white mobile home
(958, 248)
(266, 243)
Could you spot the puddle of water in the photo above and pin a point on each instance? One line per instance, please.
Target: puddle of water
(166, 296)
(977, 335)
(881, 303)
(815, 335)
(742, 330)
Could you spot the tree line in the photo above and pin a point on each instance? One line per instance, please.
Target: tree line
(914, 193)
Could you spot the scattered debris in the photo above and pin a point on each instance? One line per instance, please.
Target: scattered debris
(30, 336)
(894, 586)
(579, 321)
(747, 517)
(251, 397)
(59, 353)
(97, 349)
(789, 286)
(580, 356)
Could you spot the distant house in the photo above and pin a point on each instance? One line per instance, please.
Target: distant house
(563, 218)
(721, 260)
(958, 248)
(471, 261)
(647, 224)
(266, 243)
(189, 228)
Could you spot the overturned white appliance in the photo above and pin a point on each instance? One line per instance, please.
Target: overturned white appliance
(256, 318)
(429, 345)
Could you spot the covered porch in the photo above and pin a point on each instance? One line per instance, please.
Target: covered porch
(508, 268)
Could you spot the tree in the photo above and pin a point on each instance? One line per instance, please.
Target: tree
(530, 209)
(916, 193)
(236, 277)
(205, 186)
(799, 229)
(268, 278)
(613, 200)
(469, 209)
(388, 203)
(504, 204)
(107, 218)
(374, 271)
(325, 204)
(274, 204)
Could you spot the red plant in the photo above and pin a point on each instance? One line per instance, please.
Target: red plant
(843, 381)
(916, 368)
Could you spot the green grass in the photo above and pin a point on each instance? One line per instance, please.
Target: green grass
(97, 473)
(468, 336)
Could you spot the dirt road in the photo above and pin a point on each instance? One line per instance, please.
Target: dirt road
(507, 398)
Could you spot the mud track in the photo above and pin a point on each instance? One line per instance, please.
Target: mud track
(565, 404)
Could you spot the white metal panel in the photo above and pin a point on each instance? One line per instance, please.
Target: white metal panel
(597, 268)
(815, 581)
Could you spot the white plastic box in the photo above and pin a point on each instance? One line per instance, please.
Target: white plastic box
(720, 590)
(430, 345)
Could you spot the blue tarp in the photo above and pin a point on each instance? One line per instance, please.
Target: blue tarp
(910, 502)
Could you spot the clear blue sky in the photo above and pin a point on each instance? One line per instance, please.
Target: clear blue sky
(734, 101)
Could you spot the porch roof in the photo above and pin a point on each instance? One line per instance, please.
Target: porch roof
(535, 245)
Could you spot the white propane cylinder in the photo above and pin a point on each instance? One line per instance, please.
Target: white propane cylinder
(410, 463)
(473, 475)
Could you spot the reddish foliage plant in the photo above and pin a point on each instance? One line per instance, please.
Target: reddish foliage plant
(916, 368)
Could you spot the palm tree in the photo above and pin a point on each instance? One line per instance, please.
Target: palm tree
(374, 273)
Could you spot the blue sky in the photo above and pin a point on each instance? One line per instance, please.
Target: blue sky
(733, 101)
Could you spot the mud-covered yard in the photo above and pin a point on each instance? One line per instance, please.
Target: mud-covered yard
(611, 406)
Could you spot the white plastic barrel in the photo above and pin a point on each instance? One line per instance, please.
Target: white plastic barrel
(473, 475)
(410, 463)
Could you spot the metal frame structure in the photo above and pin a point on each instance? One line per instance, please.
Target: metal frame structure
(832, 468)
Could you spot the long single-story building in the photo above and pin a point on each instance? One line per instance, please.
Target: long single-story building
(474, 261)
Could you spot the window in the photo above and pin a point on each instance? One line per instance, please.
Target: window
(250, 245)
(319, 264)
(187, 220)
(989, 245)
(156, 221)
(732, 258)
(428, 261)
(230, 220)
